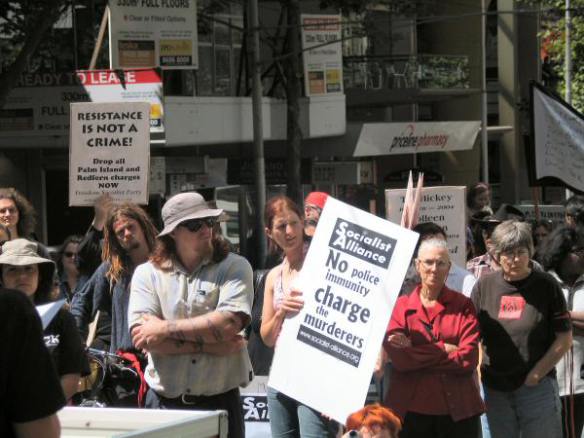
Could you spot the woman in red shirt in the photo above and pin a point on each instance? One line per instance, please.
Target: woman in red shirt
(432, 341)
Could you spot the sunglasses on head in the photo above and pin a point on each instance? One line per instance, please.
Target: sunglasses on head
(194, 225)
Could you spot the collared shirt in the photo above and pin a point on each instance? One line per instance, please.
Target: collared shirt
(480, 265)
(425, 378)
(176, 294)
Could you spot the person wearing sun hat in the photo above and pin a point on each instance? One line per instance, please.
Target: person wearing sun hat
(21, 268)
(188, 306)
(313, 206)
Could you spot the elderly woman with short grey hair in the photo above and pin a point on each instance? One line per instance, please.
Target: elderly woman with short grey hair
(433, 343)
(526, 330)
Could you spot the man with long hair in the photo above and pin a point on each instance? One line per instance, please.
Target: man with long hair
(188, 305)
(129, 237)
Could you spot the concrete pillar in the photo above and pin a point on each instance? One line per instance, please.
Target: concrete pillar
(517, 64)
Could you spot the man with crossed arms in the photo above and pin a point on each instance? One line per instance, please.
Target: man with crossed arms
(188, 305)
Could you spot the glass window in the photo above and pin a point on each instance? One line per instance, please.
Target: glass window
(223, 71)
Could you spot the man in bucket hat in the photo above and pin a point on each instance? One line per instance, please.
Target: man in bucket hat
(188, 305)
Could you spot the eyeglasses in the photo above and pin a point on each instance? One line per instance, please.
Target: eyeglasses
(512, 254)
(194, 225)
(309, 207)
(69, 254)
(440, 264)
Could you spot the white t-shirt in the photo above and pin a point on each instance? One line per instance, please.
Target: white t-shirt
(562, 368)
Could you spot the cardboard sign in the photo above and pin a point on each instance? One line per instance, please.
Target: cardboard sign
(153, 33)
(323, 65)
(350, 280)
(109, 152)
(444, 206)
(254, 401)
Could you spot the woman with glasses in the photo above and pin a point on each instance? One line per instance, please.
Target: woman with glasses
(526, 330)
(67, 268)
(285, 228)
(432, 341)
(21, 268)
(563, 258)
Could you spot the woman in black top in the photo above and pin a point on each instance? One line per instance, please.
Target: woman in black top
(22, 269)
(525, 328)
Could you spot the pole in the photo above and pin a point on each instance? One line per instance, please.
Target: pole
(568, 66)
(484, 107)
(258, 141)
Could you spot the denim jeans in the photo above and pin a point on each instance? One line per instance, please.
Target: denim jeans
(527, 412)
(486, 433)
(291, 419)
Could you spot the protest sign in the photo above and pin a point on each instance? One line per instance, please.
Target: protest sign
(153, 33)
(323, 64)
(109, 152)
(444, 206)
(552, 213)
(350, 280)
(254, 401)
(40, 103)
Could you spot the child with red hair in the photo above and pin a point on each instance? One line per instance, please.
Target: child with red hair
(373, 421)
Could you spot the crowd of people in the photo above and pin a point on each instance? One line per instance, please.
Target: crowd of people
(491, 349)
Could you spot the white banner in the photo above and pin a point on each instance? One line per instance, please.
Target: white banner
(559, 140)
(444, 206)
(153, 33)
(323, 65)
(40, 103)
(109, 152)
(350, 280)
(415, 137)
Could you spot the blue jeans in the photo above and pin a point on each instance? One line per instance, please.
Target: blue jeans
(291, 419)
(529, 412)
(486, 433)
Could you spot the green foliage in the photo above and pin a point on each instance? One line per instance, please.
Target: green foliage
(554, 43)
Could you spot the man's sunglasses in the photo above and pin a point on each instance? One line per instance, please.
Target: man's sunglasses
(194, 225)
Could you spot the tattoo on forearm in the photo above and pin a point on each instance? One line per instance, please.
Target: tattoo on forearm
(199, 342)
(175, 333)
(214, 330)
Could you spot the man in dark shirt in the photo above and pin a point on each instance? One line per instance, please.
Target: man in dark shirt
(30, 392)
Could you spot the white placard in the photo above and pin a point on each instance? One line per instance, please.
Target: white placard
(254, 401)
(48, 311)
(323, 65)
(153, 33)
(39, 105)
(559, 140)
(552, 213)
(350, 279)
(418, 137)
(444, 206)
(109, 152)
